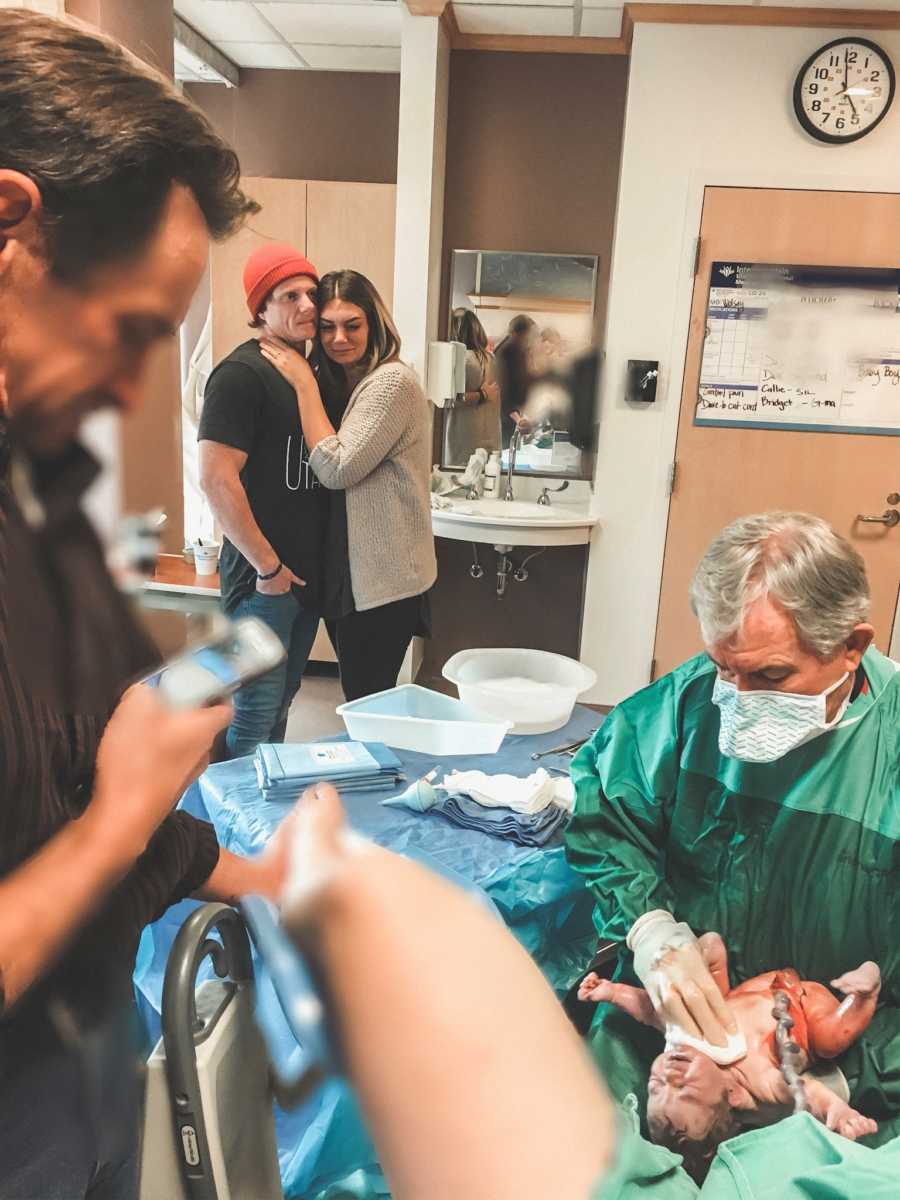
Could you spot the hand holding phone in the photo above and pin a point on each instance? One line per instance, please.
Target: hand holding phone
(148, 755)
(211, 671)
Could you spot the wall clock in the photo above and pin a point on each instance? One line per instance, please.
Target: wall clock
(844, 90)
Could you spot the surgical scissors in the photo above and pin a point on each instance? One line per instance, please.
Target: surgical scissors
(568, 748)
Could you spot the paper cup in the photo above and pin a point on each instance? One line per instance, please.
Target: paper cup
(206, 559)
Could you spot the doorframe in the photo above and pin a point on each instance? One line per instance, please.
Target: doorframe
(698, 181)
(894, 644)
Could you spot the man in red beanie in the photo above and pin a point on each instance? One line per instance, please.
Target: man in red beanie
(254, 469)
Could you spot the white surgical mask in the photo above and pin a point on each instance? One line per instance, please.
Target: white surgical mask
(764, 726)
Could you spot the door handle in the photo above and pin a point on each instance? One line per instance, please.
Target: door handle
(889, 517)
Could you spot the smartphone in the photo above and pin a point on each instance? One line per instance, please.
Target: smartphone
(240, 652)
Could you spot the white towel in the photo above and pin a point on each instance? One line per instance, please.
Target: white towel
(564, 793)
(735, 1049)
(531, 795)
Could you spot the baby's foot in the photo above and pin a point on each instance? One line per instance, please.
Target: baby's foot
(864, 982)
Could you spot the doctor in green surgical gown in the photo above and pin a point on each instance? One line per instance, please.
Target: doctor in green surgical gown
(755, 791)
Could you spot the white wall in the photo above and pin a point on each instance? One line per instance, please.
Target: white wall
(706, 105)
(52, 8)
(421, 155)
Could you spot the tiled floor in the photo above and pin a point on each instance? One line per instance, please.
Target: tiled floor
(312, 714)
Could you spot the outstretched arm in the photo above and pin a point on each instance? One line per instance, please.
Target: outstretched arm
(834, 1027)
(835, 1113)
(622, 780)
(456, 1041)
(631, 1000)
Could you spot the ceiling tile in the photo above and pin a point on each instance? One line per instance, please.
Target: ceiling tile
(225, 20)
(511, 19)
(601, 22)
(351, 58)
(336, 25)
(261, 54)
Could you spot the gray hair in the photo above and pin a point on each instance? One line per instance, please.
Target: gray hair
(798, 560)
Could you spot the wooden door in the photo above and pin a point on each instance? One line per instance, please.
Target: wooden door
(352, 225)
(724, 473)
(281, 219)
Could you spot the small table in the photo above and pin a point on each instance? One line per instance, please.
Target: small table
(175, 585)
(541, 899)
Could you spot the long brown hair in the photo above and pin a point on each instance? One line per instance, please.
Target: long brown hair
(383, 345)
(466, 328)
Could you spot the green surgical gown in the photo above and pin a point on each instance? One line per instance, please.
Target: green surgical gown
(796, 863)
(640, 1170)
(799, 1159)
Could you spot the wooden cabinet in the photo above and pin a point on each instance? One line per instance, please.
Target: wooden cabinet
(334, 224)
(282, 218)
(352, 225)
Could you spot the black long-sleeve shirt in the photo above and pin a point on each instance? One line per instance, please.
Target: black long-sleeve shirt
(68, 647)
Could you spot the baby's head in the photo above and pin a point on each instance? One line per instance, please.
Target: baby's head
(688, 1107)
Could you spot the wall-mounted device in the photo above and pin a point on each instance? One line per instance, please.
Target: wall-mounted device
(445, 374)
(640, 380)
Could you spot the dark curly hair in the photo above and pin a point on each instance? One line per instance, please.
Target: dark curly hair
(104, 137)
(697, 1155)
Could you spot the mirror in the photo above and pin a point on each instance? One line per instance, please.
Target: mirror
(527, 323)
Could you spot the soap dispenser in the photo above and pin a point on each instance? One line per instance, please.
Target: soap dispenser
(492, 474)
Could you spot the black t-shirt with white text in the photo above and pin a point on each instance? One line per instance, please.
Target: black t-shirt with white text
(250, 406)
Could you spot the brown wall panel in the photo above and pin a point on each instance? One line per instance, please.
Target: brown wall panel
(151, 438)
(332, 125)
(533, 149)
(145, 28)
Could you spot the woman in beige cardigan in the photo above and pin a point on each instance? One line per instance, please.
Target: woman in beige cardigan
(381, 457)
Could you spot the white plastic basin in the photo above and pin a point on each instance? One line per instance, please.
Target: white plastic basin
(410, 717)
(534, 689)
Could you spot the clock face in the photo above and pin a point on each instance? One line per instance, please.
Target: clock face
(844, 90)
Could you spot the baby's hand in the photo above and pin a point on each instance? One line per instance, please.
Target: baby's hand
(848, 1122)
(865, 981)
(632, 1000)
(593, 988)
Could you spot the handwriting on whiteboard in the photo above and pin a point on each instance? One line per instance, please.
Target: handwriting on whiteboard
(802, 347)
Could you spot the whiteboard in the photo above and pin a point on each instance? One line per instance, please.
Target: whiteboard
(801, 347)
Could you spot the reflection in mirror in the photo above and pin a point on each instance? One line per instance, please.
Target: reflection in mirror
(526, 321)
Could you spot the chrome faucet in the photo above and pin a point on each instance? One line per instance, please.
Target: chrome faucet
(544, 497)
(523, 433)
(514, 442)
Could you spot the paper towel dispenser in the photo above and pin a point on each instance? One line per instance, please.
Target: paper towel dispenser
(445, 375)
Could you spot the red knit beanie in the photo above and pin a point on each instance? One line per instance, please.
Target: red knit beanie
(267, 267)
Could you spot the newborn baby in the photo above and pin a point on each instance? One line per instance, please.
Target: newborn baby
(694, 1104)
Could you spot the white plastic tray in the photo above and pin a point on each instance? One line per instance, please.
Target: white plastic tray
(535, 689)
(410, 717)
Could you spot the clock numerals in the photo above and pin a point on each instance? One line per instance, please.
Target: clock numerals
(844, 90)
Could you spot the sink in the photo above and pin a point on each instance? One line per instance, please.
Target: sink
(514, 522)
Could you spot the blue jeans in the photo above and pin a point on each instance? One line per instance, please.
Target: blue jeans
(70, 1115)
(261, 708)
